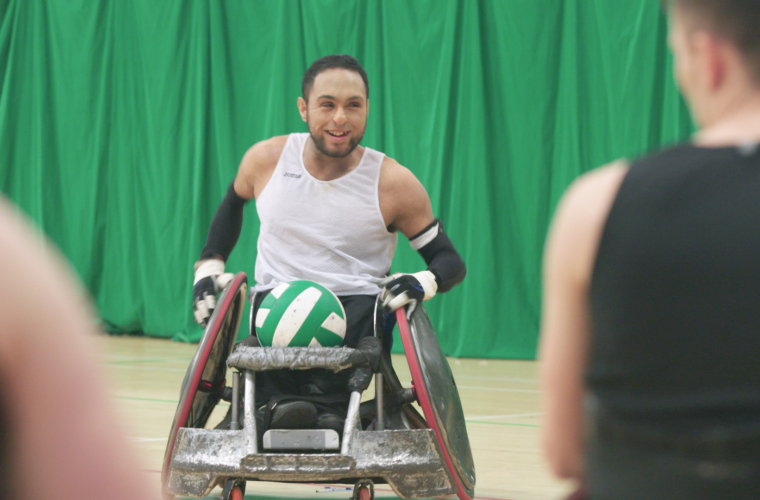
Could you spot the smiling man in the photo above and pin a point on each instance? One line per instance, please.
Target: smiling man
(330, 210)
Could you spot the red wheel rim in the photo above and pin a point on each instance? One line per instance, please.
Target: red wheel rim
(424, 400)
(234, 294)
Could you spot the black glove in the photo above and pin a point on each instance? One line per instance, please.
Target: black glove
(204, 299)
(210, 278)
(402, 289)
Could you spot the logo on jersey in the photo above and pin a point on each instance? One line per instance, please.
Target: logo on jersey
(294, 176)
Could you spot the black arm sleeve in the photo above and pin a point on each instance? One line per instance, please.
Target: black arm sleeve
(225, 227)
(442, 259)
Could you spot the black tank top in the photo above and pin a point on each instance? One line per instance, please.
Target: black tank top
(675, 291)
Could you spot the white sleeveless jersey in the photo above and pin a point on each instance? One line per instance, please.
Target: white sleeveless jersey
(329, 232)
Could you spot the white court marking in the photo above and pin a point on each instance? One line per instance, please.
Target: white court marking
(493, 417)
(499, 389)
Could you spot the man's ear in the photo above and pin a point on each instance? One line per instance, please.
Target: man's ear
(716, 55)
(302, 108)
(710, 56)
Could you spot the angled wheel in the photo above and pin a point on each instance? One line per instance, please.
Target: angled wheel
(364, 490)
(234, 489)
(438, 397)
(205, 377)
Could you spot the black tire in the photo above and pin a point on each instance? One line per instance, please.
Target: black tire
(205, 377)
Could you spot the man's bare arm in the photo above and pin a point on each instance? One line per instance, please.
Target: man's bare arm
(406, 207)
(404, 202)
(565, 325)
(254, 173)
(64, 427)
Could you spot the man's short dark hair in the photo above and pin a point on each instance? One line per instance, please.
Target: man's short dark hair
(330, 62)
(737, 21)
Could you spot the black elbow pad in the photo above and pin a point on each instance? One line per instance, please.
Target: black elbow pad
(440, 256)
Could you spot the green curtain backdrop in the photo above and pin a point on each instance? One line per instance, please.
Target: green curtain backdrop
(123, 122)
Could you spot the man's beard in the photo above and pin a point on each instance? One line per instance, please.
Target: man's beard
(322, 147)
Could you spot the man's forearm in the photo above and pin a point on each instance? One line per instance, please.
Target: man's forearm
(225, 227)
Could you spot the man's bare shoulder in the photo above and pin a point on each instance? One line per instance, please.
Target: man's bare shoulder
(404, 202)
(580, 218)
(593, 192)
(266, 153)
(257, 166)
(394, 176)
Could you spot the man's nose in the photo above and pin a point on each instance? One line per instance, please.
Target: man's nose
(340, 116)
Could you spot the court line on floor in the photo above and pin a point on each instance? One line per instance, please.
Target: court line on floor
(156, 368)
(514, 415)
(154, 400)
(508, 424)
(141, 358)
(499, 389)
(148, 400)
(148, 360)
(497, 379)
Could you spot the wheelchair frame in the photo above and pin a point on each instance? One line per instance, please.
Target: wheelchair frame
(423, 459)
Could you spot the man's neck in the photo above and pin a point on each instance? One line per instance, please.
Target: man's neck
(737, 123)
(327, 168)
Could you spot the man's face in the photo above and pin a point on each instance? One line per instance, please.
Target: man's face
(695, 64)
(336, 111)
(683, 64)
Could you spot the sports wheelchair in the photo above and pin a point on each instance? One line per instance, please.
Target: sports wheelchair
(417, 455)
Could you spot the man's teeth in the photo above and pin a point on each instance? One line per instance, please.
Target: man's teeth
(338, 134)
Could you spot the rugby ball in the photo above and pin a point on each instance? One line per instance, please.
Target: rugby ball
(301, 314)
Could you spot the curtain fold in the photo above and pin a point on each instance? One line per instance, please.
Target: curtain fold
(122, 124)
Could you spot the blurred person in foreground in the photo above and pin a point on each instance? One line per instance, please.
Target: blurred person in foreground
(651, 321)
(59, 434)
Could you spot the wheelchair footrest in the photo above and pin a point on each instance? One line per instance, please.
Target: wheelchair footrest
(301, 439)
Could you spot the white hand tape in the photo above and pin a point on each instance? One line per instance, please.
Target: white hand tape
(210, 301)
(201, 312)
(429, 285)
(398, 301)
(210, 267)
(224, 279)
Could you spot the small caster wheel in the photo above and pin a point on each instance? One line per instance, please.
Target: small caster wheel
(234, 489)
(364, 490)
(237, 493)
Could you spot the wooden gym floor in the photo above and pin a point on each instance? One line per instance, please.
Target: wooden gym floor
(500, 400)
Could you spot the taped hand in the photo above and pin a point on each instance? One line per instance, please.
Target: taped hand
(210, 278)
(402, 289)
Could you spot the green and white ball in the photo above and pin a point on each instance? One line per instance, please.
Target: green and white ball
(301, 314)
